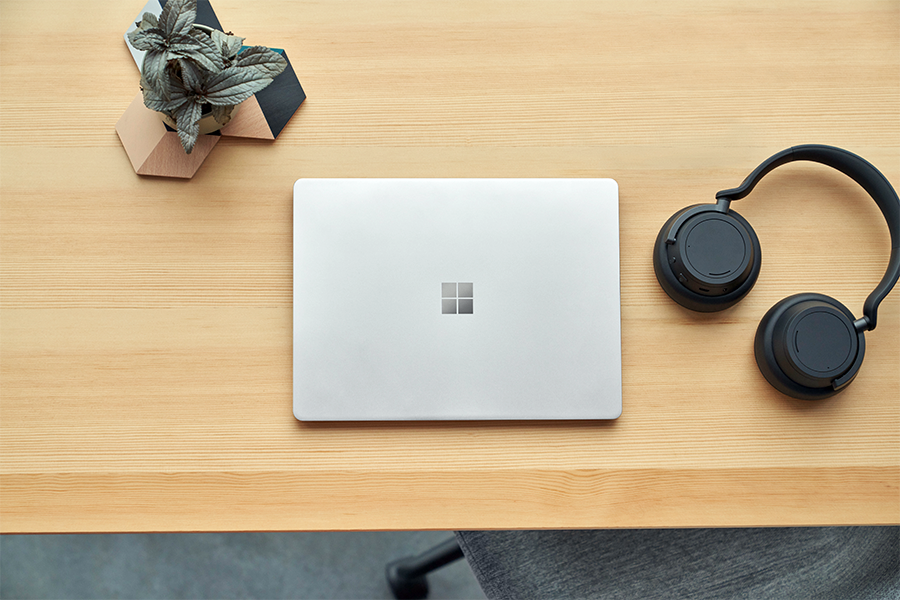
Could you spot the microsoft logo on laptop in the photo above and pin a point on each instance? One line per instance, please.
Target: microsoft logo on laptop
(456, 298)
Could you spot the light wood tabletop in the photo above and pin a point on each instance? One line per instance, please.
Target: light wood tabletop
(145, 349)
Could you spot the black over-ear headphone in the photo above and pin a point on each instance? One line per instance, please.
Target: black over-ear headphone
(707, 258)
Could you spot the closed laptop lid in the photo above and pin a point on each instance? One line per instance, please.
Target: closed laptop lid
(456, 299)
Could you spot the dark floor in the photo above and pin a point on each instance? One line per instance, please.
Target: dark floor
(218, 565)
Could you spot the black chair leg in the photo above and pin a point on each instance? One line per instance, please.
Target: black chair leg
(406, 576)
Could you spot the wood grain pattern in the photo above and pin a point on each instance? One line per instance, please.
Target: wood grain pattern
(145, 324)
(249, 122)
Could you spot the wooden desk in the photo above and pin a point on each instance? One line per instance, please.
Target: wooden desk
(146, 323)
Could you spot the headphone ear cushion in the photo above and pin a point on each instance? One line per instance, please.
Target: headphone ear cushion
(807, 346)
(711, 262)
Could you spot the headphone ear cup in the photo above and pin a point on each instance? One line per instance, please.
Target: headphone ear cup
(807, 346)
(710, 262)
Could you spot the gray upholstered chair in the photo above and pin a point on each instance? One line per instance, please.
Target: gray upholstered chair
(843, 563)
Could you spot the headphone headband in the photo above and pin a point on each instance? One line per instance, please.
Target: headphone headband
(866, 175)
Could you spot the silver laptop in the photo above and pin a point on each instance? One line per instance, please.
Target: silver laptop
(456, 299)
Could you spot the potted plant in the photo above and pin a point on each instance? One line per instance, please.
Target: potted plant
(192, 72)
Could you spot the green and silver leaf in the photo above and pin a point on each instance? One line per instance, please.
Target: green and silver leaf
(148, 21)
(261, 58)
(154, 101)
(197, 47)
(154, 72)
(178, 16)
(222, 114)
(232, 46)
(187, 117)
(227, 45)
(147, 39)
(191, 75)
(234, 85)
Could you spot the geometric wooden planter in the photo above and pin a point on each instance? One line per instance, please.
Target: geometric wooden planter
(154, 148)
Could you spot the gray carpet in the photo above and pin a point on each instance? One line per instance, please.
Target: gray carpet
(218, 565)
